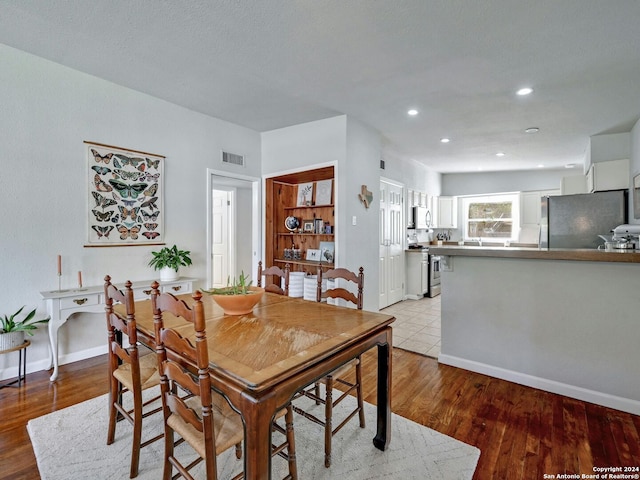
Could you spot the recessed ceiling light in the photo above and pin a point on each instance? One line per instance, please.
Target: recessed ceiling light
(570, 165)
(445, 140)
(525, 91)
(413, 112)
(540, 166)
(500, 154)
(532, 130)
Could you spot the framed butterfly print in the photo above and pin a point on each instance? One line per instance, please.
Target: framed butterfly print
(125, 196)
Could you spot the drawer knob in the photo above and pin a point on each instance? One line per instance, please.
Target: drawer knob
(80, 301)
(177, 288)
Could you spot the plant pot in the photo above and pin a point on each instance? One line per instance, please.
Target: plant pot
(168, 274)
(11, 340)
(239, 304)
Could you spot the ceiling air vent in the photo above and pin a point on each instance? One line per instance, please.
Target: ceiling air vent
(232, 158)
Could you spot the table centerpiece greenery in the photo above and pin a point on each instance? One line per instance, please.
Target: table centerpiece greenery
(238, 297)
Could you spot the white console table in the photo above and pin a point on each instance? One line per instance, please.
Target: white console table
(61, 304)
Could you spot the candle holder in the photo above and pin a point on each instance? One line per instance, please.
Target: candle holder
(60, 283)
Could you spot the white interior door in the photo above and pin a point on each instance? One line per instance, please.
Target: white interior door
(391, 267)
(221, 237)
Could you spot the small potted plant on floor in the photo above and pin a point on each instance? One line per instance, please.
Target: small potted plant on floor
(238, 297)
(168, 261)
(12, 330)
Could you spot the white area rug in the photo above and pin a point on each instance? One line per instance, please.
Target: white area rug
(70, 444)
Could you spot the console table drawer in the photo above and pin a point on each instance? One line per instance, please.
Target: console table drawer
(177, 288)
(80, 301)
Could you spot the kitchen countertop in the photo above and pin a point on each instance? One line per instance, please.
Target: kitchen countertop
(585, 255)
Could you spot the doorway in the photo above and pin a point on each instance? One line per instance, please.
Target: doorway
(233, 226)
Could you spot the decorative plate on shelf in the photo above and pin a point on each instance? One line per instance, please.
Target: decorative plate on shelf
(291, 223)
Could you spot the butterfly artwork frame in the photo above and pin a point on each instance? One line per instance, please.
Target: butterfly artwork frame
(125, 205)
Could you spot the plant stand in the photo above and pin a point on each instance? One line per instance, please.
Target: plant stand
(22, 364)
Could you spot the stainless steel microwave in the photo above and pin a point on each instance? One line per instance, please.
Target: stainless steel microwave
(421, 218)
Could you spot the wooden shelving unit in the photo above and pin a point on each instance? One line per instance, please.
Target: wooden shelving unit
(281, 198)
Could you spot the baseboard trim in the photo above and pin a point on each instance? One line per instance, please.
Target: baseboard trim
(44, 364)
(410, 296)
(599, 398)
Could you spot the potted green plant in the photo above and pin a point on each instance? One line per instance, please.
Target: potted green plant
(168, 261)
(238, 297)
(12, 329)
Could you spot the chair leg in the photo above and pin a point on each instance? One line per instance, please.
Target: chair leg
(113, 413)
(137, 435)
(328, 427)
(167, 470)
(317, 392)
(359, 392)
(291, 443)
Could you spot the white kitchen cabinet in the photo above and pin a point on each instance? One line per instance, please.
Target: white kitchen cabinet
(573, 184)
(611, 175)
(447, 212)
(417, 272)
(531, 207)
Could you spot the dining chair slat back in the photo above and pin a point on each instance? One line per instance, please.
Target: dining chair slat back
(277, 273)
(342, 292)
(191, 409)
(353, 367)
(130, 371)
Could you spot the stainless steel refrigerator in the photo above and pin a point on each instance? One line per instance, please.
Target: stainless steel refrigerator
(575, 221)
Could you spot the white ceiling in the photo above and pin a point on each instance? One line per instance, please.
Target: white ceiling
(267, 64)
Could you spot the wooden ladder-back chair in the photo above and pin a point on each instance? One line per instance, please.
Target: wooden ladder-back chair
(282, 277)
(337, 376)
(203, 418)
(129, 371)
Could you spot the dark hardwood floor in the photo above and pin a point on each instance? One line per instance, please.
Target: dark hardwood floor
(523, 433)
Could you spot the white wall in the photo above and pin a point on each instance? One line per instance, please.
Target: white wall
(301, 146)
(413, 174)
(498, 182)
(360, 241)
(607, 147)
(47, 112)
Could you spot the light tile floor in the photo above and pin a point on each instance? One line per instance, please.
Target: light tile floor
(417, 325)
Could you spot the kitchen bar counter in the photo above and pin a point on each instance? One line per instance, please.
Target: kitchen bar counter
(569, 326)
(588, 255)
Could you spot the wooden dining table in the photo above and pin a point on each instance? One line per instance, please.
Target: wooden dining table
(260, 360)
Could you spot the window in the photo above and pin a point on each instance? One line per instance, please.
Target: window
(491, 217)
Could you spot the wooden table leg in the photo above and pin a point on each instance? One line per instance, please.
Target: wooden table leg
(383, 434)
(258, 441)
